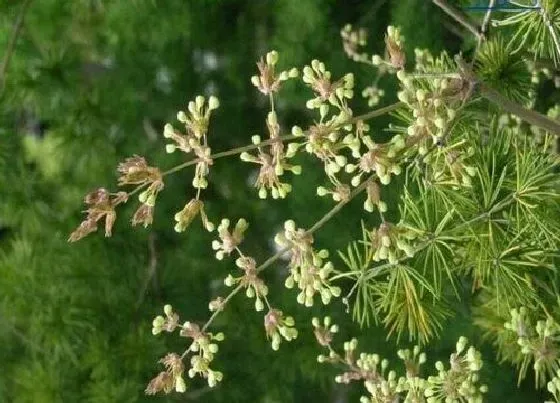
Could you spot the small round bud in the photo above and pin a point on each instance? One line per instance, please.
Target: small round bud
(213, 103)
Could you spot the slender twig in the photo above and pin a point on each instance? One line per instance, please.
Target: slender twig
(12, 43)
(458, 16)
(484, 28)
(528, 115)
(151, 270)
(486, 21)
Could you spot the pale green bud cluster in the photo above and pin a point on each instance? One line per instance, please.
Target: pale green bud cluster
(432, 111)
(391, 242)
(379, 158)
(458, 384)
(229, 241)
(204, 348)
(373, 94)
(268, 81)
(273, 162)
(186, 216)
(167, 323)
(352, 41)
(339, 192)
(278, 327)
(254, 286)
(308, 270)
(553, 387)
(327, 92)
(538, 342)
(460, 381)
(449, 165)
(196, 123)
(197, 119)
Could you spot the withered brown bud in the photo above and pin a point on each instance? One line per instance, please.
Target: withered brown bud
(144, 215)
(395, 52)
(163, 382)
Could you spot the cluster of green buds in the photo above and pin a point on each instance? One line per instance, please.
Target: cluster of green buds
(460, 381)
(229, 241)
(352, 41)
(254, 286)
(449, 165)
(390, 242)
(273, 162)
(192, 209)
(379, 159)
(278, 327)
(168, 323)
(412, 360)
(100, 205)
(326, 91)
(429, 101)
(268, 81)
(203, 347)
(308, 269)
(373, 94)
(136, 171)
(394, 50)
(539, 343)
(382, 384)
(194, 141)
(458, 384)
(553, 386)
(323, 141)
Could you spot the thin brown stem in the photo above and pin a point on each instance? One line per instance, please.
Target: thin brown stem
(12, 43)
(459, 17)
(528, 115)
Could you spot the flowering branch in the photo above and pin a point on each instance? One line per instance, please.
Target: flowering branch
(234, 151)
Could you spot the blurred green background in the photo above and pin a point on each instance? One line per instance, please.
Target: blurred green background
(92, 82)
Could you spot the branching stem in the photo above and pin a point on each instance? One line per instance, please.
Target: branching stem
(234, 151)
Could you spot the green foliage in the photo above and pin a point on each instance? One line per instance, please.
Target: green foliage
(499, 66)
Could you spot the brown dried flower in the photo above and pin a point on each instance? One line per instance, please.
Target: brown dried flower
(101, 204)
(144, 215)
(136, 171)
(163, 382)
